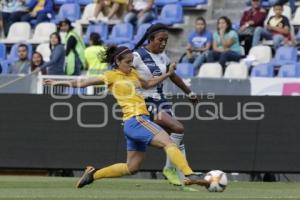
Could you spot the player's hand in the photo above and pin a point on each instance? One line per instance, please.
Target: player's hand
(172, 69)
(193, 98)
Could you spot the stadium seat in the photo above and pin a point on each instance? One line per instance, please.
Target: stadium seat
(193, 2)
(70, 11)
(265, 3)
(18, 32)
(60, 2)
(128, 45)
(236, 25)
(44, 49)
(262, 70)
(13, 55)
(42, 33)
(140, 32)
(236, 71)
(100, 28)
(185, 70)
(170, 14)
(164, 2)
(2, 51)
(84, 2)
(296, 19)
(121, 33)
(289, 70)
(4, 67)
(210, 70)
(285, 55)
(88, 13)
(261, 53)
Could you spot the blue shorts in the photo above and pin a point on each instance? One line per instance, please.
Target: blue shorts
(155, 106)
(139, 132)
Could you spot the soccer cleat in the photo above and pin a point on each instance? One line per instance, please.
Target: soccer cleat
(195, 179)
(172, 176)
(87, 177)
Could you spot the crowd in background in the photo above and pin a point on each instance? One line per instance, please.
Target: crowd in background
(223, 45)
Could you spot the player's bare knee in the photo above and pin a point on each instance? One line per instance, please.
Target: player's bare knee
(178, 128)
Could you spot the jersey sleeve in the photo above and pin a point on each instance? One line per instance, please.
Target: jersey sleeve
(107, 77)
(137, 61)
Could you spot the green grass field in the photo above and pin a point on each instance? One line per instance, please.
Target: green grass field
(46, 188)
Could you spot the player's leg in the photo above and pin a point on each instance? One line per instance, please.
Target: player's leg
(162, 140)
(176, 129)
(134, 161)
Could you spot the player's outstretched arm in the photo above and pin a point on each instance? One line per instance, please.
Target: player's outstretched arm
(81, 83)
(155, 81)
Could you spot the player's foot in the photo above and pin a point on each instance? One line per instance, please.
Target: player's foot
(87, 177)
(195, 179)
(172, 176)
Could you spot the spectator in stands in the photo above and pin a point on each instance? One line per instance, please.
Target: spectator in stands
(199, 42)
(292, 3)
(37, 61)
(252, 18)
(74, 49)
(93, 55)
(140, 12)
(40, 10)
(12, 11)
(277, 28)
(22, 66)
(57, 58)
(226, 46)
(109, 9)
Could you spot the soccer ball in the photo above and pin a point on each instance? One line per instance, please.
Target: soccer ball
(218, 181)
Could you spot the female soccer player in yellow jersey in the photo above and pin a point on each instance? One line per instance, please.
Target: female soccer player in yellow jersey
(139, 131)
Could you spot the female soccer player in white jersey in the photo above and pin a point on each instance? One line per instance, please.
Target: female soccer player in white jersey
(151, 61)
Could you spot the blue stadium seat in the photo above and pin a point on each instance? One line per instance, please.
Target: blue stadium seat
(262, 70)
(13, 55)
(236, 25)
(170, 14)
(264, 3)
(2, 51)
(140, 32)
(60, 2)
(4, 67)
(70, 11)
(285, 55)
(185, 70)
(289, 70)
(84, 2)
(164, 2)
(100, 28)
(128, 45)
(193, 2)
(121, 33)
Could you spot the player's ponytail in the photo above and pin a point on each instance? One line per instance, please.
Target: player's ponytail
(150, 33)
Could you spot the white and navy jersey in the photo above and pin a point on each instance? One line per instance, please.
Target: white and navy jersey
(149, 65)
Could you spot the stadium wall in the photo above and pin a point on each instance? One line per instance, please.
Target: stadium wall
(232, 133)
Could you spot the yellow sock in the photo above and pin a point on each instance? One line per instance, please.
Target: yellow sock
(178, 159)
(116, 170)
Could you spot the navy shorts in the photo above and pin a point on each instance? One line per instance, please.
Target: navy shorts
(139, 132)
(155, 106)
